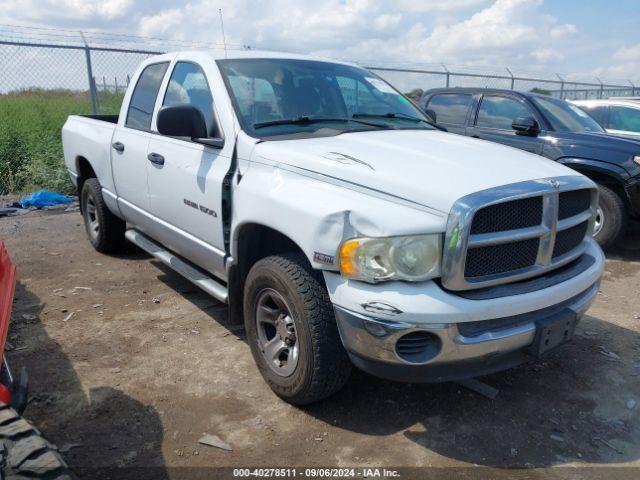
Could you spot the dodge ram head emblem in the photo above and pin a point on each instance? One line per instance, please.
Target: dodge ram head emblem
(554, 183)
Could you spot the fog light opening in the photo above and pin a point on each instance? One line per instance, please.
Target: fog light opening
(418, 346)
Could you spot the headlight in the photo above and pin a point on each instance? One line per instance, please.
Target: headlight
(414, 258)
(637, 159)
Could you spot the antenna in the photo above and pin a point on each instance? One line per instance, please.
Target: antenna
(224, 40)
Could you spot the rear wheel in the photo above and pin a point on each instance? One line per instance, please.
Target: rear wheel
(24, 453)
(104, 229)
(611, 218)
(292, 331)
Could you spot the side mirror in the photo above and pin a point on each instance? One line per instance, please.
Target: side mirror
(526, 126)
(431, 114)
(182, 121)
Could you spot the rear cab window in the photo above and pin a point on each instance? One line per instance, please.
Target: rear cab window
(450, 108)
(143, 98)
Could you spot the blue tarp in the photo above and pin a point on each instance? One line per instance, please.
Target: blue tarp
(43, 198)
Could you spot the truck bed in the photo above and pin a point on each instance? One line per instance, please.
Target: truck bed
(89, 137)
(103, 118)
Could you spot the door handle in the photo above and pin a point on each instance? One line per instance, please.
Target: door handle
(118, 146)
(156, 158)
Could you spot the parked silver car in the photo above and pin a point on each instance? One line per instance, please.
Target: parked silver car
(620, 116)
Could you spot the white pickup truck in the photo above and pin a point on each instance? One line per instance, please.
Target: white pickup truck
(340, 225)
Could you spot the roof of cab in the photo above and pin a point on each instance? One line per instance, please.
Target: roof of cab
(221, 54)
(473, 90)
(631, 102)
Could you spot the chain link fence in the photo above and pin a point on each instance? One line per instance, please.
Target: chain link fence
(415, 81)
(48, 74)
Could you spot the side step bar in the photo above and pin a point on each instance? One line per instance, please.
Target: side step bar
(195, 276)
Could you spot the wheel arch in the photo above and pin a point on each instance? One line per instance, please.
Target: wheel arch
(601, 173)
(85, 170)
(251, 243)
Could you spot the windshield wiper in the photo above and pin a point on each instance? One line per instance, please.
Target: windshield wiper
(304, 120)
(401, 115)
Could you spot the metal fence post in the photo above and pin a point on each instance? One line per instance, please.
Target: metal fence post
(448, 75)
(601, 88)
(633, 88)
(92, 84)
(512, 79)
(561, 86)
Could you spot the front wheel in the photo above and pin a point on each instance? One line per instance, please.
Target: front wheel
(611, 218)
(292, 331)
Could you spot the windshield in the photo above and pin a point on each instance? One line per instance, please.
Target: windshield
(284, 97)
(565, 117)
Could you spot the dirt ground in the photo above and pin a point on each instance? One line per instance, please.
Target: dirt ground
(130, 365)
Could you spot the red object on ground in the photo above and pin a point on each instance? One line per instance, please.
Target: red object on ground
(7, 289)
(5, 394)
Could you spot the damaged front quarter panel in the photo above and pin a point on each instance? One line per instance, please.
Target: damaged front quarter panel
(318, 212)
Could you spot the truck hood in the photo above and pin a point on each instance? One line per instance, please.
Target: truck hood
(427, 167)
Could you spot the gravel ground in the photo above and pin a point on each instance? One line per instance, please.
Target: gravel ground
(130, 365)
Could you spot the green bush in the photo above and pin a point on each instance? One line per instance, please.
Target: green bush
(30, 136)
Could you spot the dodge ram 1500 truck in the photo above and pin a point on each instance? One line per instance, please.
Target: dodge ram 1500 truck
(336, 221)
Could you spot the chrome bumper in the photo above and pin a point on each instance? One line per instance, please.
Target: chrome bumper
(371, 342)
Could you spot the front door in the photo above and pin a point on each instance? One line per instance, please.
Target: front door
(185, 178)
(494, 118)
(129, 146)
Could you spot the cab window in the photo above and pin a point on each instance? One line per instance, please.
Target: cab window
(450, 108)
(188, 85)
(624, 118)
(143, 98)
(598, 113)
(500, 112)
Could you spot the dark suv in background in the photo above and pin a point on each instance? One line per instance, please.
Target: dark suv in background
(555, 129)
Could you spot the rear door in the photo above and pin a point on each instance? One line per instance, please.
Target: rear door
(129, 145)
(494, 117)
(451, 110)
(185, 189)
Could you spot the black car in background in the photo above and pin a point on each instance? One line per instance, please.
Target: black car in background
(555, 129)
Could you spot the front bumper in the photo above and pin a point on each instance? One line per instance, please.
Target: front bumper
(462, 351)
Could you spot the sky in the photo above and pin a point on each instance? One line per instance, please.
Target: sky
(579, 39)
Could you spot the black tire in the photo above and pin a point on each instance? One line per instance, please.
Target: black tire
(323, 366)
(613, 217)
(24, 453)
(109, 237)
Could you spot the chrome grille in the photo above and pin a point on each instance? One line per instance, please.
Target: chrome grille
(569, 239)
(517, 231)
(573, 202)
(501, 258)
(523, 213)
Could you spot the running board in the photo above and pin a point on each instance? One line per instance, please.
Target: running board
(195, 276)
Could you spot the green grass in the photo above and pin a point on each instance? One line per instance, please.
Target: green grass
(30, 136)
